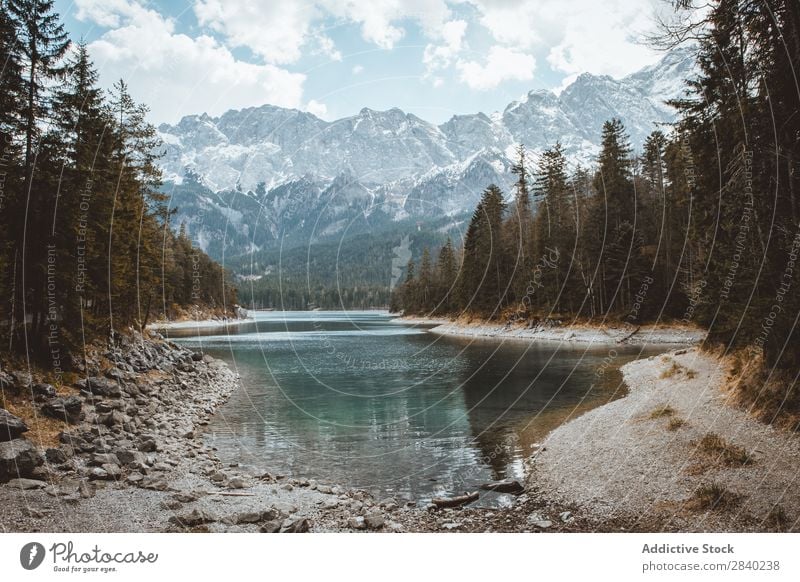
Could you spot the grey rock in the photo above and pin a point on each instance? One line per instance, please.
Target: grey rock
(86, 489)
(374, 520)
(18, 458)
(330, 504)
(539, 521)
(389, 504)
(112, 470)
(238, 483)
(22, 379)
(566, 516)
(128, 457)
(301, 525)
(248, 517)
(171, 504)
(271, 527)
(135, 478)
(154, 482)
(100, 386)
(66, 409)
(186, 496)
(104, 458)
(43, 391)
(146, 444)
(11, 427)
(26, 484)
(192, 518)
(55, 456)
(98, 474)
(356, 523)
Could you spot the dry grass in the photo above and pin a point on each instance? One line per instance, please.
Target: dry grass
(675, 423)
(43, 431)
(771, 395)
(712, 497)
(677, 369)
(717, 448)
(662, 412)
(777, 519)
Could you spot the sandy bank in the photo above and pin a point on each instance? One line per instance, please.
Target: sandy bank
(577, 333)
(642, 459)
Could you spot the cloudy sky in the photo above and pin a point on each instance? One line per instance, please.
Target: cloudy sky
(434, 58)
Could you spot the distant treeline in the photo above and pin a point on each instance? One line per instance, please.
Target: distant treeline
(86, 247)
(703, 226)
(354, 271)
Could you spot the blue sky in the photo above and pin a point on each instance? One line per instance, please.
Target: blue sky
(434, 58)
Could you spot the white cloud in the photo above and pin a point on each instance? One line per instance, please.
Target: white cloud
(502, 64)
(328, 47)
(275, 31)
(440, 56)
(316, 108)
(378, 18)
(176, 74)
(358, 69)
(579, 35)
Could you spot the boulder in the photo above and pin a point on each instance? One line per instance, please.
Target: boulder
(86, 490)
(356, 523)
(248, 517)
(374, 520)
(192, 518)
(6, 382)
(104, 458)
(26, 484)
(22, 379)
(66, 409)
(301, 525)
(43, 391)
(11, 427)
(99, 386)
(146, 444)
(18, 459)
(55, 456)
(271, 527)
(537, 520)
(128, 457)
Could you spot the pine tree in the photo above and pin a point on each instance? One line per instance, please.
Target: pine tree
(446, 274)
(555, 236)
(42, 45)
(483, 286)
(518, 229)
(425, 282)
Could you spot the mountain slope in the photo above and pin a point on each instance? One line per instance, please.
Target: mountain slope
(265, 176)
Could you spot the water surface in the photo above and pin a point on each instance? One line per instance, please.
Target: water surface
(358, 399)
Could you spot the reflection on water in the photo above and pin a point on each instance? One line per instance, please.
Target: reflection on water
(356, 399)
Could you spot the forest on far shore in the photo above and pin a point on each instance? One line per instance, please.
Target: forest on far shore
(703, 227)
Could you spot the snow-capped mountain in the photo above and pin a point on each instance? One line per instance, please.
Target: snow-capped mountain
(290, 168)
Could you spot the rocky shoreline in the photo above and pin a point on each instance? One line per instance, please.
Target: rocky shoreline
(130, 457)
